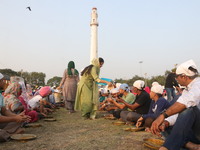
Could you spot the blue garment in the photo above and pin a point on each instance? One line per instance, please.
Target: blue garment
(156, 108)
(170, 93)
(185, 129)
(1, 101)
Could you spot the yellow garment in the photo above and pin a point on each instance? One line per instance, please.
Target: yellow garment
(87, 92)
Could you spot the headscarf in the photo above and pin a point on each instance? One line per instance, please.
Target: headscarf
(124, 87)
(11, 96)
(13, 88)
(44, 91)
(1, 76)
(71, 66)
(95, 63)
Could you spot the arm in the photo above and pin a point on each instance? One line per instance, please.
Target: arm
(130, 106)
(63, 79)
(8, 116)
(120, 106)
(174, 109)
(96, 76)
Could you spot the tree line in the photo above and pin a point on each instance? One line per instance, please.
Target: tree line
(38, 78)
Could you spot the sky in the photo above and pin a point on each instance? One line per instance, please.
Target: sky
(135, 37)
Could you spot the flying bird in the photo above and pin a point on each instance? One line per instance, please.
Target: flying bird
(29, 8)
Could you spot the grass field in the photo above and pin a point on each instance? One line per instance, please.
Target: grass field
(71, 132)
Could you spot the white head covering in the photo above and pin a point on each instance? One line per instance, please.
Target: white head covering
(115, 90)
(118, 85)
(183, 68)
(1, 76)
(139, 84)
(157, 89)
(155, 83)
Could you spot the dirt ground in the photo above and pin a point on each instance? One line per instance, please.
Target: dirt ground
(71, 132)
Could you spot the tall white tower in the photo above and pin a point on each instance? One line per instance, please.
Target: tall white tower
(94, 44)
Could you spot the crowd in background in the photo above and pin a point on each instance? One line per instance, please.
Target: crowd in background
(171, 109)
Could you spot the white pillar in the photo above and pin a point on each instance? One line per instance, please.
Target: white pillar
(94, 44)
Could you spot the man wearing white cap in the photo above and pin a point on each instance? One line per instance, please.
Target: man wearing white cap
(10, 123)
(157, 106)
(186, 114)
(140, 106)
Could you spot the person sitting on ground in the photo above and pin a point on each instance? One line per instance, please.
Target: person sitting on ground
(37, 102)
(140, 106)
(106, 105)
(125, 96)
(24, 98)
(11, 94)
(183, 115)
(103, 94)
(157, 106)
(10, 123)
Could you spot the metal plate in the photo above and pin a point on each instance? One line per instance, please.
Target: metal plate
(23, 137)
(153, 143)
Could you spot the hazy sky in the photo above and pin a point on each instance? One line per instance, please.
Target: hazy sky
(160, 33)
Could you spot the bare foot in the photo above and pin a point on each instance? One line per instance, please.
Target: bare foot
(192, 146)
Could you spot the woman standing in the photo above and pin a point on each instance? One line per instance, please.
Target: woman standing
(69, 86)
(87, 92)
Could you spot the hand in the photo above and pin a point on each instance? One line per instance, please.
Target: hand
(119, 100)
(139, 122)
(22, 118)
(109, 84)
(109, 100)
(164, 125)
(155, 125)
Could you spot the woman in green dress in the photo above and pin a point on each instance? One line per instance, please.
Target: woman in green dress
(87, 92)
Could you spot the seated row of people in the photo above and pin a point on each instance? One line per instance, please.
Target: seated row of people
(17, 109)
(141, 108)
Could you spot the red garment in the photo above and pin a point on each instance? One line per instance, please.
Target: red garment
(147, 89)
(32, 113)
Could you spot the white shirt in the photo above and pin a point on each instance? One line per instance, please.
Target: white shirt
(35, 101)
(190, 97)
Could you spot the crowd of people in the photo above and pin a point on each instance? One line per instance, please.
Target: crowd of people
(19, 105)
(175, 116)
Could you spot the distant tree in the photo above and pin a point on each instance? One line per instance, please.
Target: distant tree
(167, 72)
(55, 81)
(37, 78)
(9, 72)
(160, 79)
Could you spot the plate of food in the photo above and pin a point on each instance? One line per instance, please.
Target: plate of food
(118, 123)
(110, 118)
(50, 119)
(153, 143)
(136, 129)
(127, 129)
(33, 125)
(23, 137)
